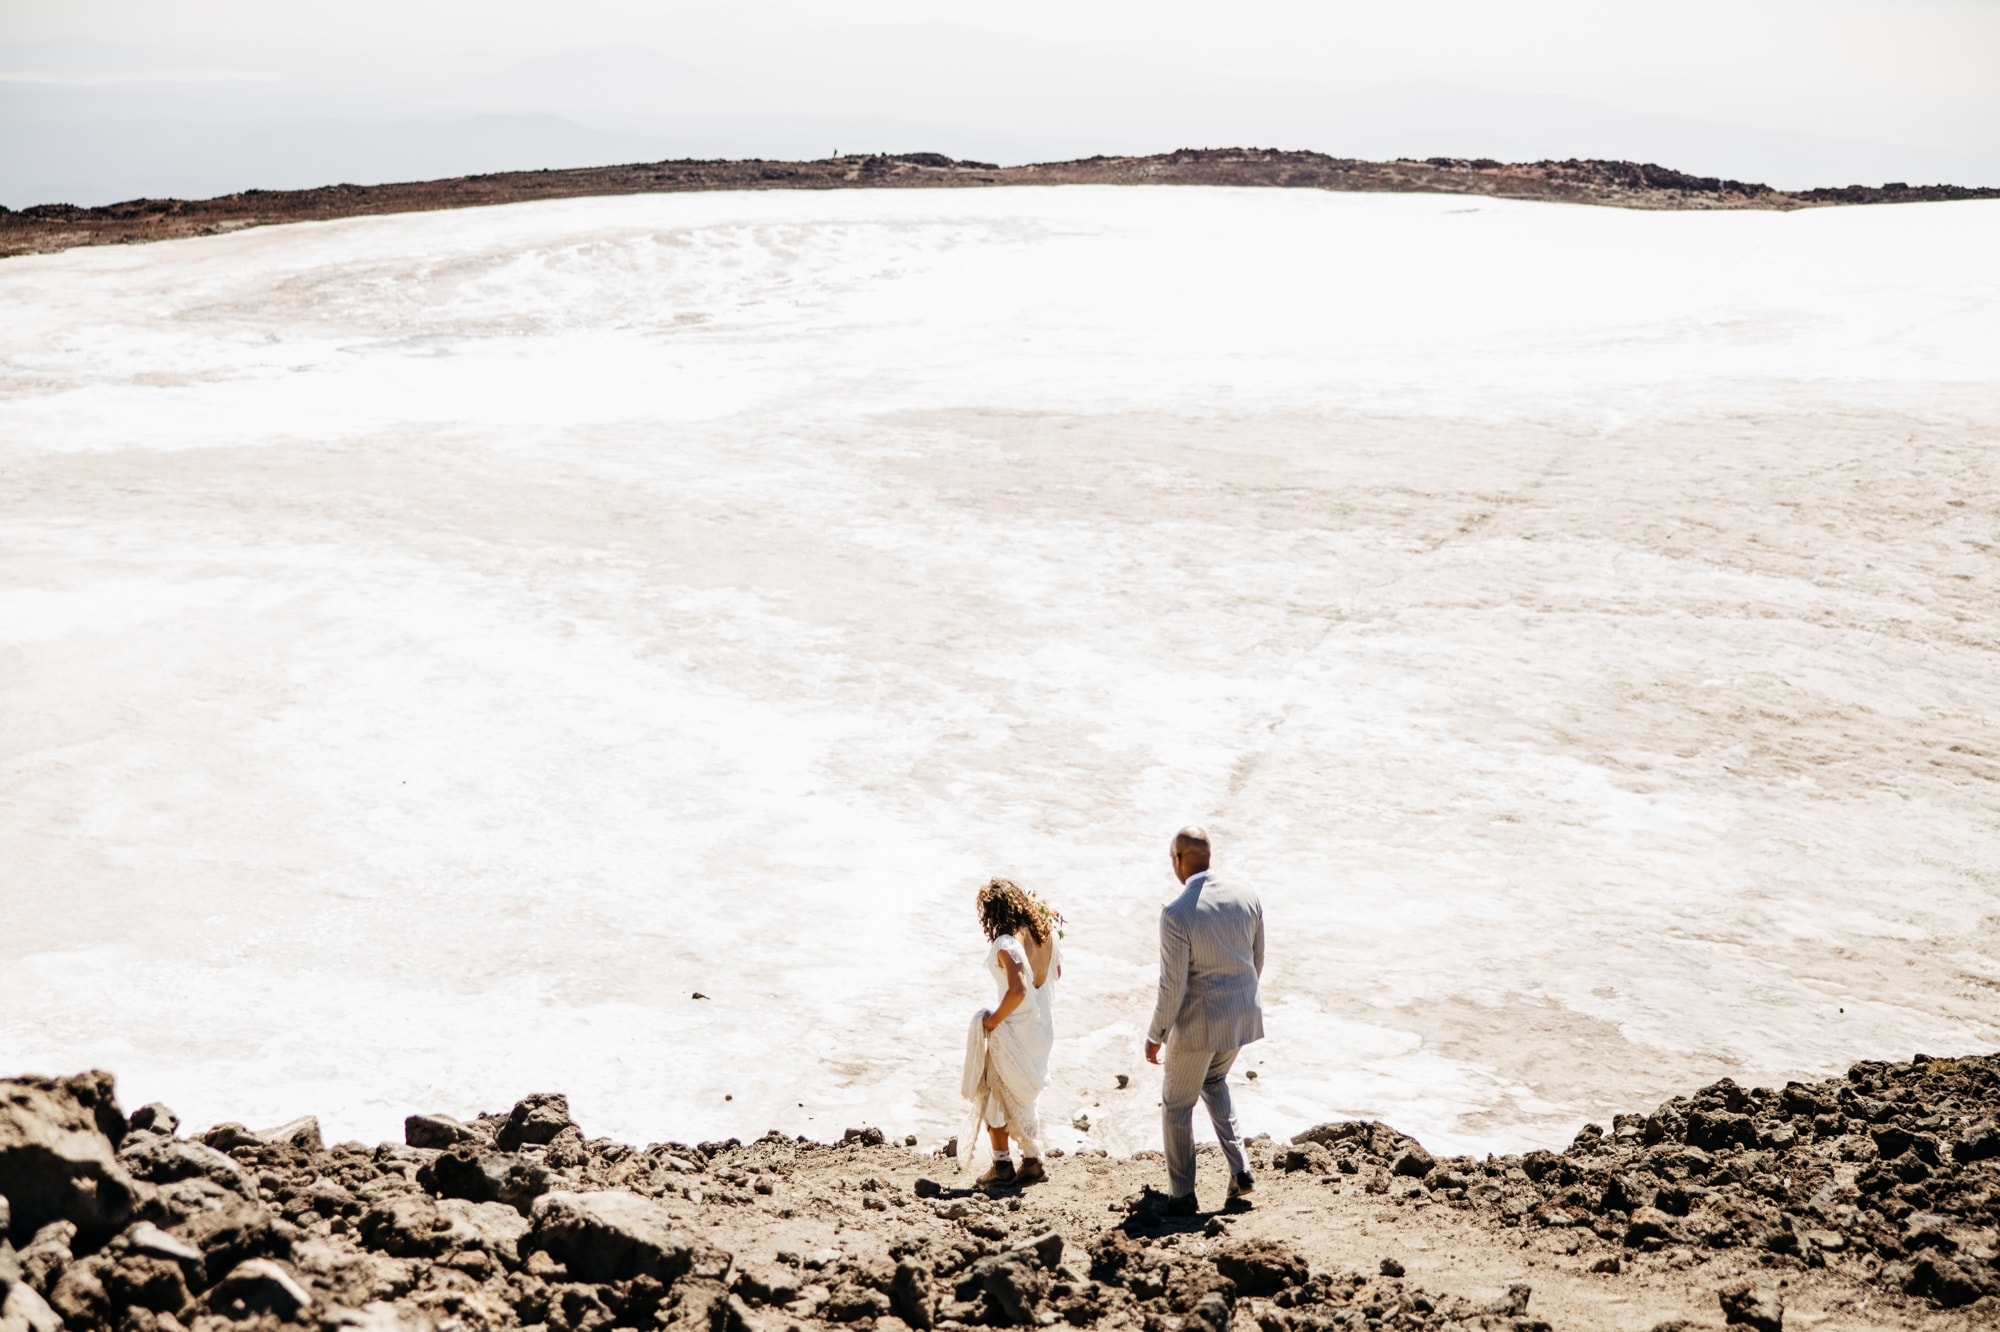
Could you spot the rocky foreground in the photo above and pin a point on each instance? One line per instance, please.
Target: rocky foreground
(1865, 1201)
(59, 226)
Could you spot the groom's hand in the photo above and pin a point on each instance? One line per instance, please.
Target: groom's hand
(1152, 1052)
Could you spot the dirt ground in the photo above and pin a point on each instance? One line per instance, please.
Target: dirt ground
(1332, 1221)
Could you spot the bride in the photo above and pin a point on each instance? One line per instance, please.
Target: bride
(1007, 1052)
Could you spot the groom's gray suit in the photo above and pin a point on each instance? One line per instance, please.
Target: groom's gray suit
(1211, 956)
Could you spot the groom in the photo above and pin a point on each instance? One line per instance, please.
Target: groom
(1211, 955)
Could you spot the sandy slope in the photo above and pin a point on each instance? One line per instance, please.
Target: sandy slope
(436, 647)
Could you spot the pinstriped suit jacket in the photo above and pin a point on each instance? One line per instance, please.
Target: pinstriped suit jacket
(1211, 955)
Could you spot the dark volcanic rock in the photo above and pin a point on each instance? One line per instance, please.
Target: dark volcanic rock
(1014, 1287)
(614, 1236)
(470, 1171)
(156, 1118)
(1745, 1306)
(1261, 1267)
(438, 1131)
(162, 1160)
(911, 1296)
(536, 1119)
(1945, 1282)
(58, 1156)
(234, 1233)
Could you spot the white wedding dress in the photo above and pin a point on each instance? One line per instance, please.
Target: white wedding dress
(1007, 1068)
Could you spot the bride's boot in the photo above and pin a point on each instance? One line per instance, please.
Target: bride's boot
(1001, 1176)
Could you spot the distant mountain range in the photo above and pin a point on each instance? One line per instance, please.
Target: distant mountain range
(49, 227)
(89, 123)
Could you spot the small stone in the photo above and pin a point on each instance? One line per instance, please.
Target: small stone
(928, 1188)
(1391, 1268)
(1611, 1266)
(1124, 1081)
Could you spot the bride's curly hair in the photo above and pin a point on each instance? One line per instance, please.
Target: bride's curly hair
(1007, 908)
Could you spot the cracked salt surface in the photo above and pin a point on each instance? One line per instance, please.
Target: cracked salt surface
(436, 646)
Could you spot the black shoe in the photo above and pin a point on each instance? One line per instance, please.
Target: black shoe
(1184, 1205)
(1030, 1172)
(1001, 1176)
(1241, 1186)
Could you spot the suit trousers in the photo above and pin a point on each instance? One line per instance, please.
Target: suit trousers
(1203, 1074)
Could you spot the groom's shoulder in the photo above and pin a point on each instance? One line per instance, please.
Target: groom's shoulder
(1232, 889)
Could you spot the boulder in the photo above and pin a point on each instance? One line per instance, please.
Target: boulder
(149, 1240)
(154, 1118)
(58, 1156)
(1981, 1142)
(471, 1172)
(44, 1257)
(22, 1309)
(566, 1150)
(1414, 1162)
(1652, 1226)
(535, 1119)
(1211, 1313)
(405, 1225)
(769, 1285)
(483, 1227)
(80, 1295)
(258, 1286)
(1714, 1130)
(615, 1236)
(911, 1296)
(1939, 1279)
(1743, 1305)
(1014, 1287)
(162, 1160)
(142, 1281)
(437, 1131)
(1261, 1268)
(235, 1232)
(302, 1133)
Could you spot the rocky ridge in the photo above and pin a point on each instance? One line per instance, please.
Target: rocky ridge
(57, 226)
(1882, 1187)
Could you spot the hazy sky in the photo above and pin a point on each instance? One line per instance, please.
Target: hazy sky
(1782, 90)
